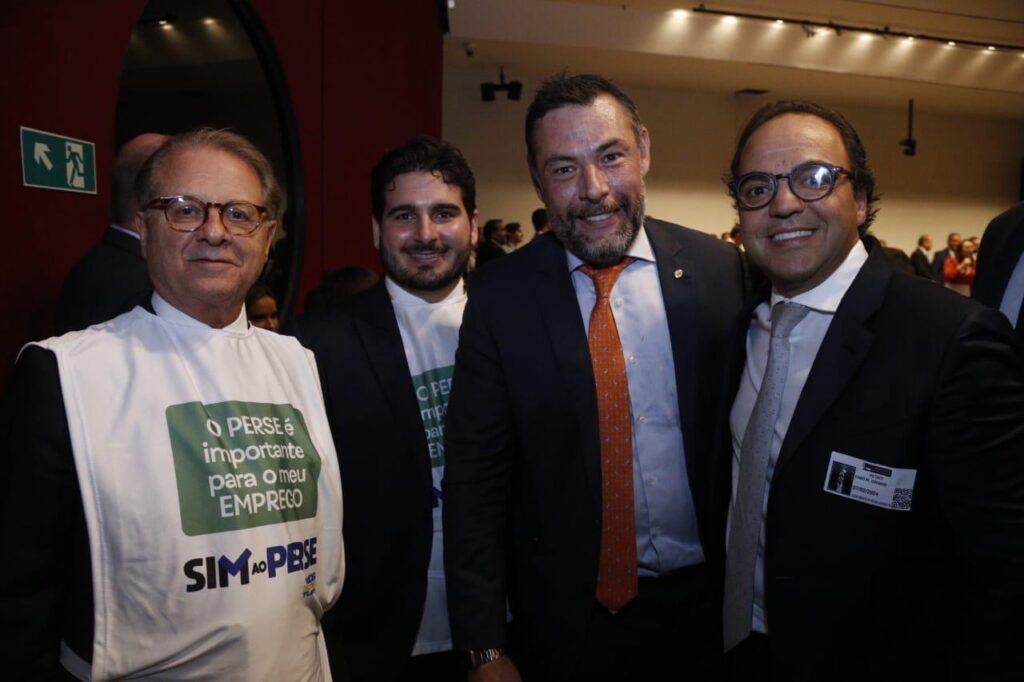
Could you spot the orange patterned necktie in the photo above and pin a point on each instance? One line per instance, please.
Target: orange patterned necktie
(616, 573)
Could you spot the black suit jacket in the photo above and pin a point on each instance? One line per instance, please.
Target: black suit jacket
(937, 265)
(522, 478)
(386, 481)
(110, 279)
(46, 577)
(909, 376)
(487, 252)
(921, 265)
(1001, 247)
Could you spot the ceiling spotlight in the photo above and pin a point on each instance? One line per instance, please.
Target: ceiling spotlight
(680, 13)
(910, 39)
(209, 21)
(951, 43)
(163, 21)
(513, 88)
(730, 20)
(865, 37)
(779, 22)
(991, 48)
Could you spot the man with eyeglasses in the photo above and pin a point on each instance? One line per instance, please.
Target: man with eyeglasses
(877, 467)
(173, 506)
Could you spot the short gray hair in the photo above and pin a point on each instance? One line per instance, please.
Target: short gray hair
(216, 138)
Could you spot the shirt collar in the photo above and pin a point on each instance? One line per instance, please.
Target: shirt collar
(825, 297)
(168, 312)
(403, 298)
(640, 249)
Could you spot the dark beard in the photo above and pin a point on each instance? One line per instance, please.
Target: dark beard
(423, 280)
(610, 249)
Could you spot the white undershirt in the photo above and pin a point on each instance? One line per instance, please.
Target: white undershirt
(430, 335)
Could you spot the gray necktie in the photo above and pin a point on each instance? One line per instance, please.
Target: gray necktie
(748, 507)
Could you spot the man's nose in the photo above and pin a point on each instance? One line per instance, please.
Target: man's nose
(785, 203)
(426, 229)
(213, 229)
(593, 183)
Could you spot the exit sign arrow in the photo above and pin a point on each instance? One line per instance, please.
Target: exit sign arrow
(41, 152)
(53, 161)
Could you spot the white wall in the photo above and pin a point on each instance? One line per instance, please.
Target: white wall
(966, 170)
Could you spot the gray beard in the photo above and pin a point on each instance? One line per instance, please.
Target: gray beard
(607, 251)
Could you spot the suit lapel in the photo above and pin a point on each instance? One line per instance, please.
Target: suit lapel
(1002, 258)
(377, 330)
(679, 274)
(556, 299)
(844, 347)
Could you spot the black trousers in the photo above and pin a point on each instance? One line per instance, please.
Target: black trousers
(670, 631)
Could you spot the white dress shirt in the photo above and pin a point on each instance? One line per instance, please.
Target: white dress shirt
(666, 521)
(1014, 293)
(804, 342)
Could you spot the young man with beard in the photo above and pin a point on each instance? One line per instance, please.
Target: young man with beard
(385, 359)
(575, 485)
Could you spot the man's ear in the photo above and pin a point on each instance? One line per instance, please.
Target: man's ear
(376, 234)
(862, 206)
(139, 224)
(271, 231)
(474, 228)
(644, 142)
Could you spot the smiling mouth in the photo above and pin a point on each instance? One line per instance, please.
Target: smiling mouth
(792, 234)
(221, 261)
(425, 254)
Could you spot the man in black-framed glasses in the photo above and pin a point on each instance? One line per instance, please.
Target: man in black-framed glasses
(809, 181)
(912, 395)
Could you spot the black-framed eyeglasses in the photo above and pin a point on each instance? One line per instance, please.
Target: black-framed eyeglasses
(186, 214)
(809, 181)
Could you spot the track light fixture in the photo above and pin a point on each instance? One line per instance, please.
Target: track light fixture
(513, 88)
(811, 28)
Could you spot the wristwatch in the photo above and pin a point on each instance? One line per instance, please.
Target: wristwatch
(477, 657)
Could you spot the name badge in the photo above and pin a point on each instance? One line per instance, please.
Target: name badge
(873, 484)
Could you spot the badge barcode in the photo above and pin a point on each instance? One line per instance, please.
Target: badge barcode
(901, 498)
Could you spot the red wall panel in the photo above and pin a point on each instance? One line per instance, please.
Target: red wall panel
(61, 69)
(362, 77)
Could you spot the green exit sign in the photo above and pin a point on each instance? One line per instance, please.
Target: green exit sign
(54, 161)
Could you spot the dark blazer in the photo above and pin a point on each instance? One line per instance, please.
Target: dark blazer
(937, 265)
(920, 263)
(1001, 247)
(110, 279)
(386, 484)
(46, 593)
(522, 477)
(909, 376)
(487, 252)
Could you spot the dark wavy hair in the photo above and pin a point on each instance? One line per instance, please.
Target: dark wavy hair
(423, 154)
(562, 90)
(862, 177)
